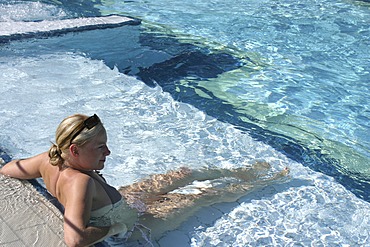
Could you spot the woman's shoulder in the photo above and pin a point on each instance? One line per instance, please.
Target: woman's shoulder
(73, 183)
(72, 177)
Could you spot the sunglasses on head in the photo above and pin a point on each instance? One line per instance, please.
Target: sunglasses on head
(89, 123)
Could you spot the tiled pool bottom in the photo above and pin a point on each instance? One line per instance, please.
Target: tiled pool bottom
(27, 218)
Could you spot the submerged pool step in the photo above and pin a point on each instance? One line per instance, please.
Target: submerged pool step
(17, 30)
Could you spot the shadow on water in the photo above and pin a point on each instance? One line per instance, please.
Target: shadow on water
(160, 59)
(4, 156)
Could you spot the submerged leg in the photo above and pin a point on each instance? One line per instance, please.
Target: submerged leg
(138, 194)
(164, 183)
(153, 188)
(231, 190)
(156, 184)
(155, 195)
(168, 211)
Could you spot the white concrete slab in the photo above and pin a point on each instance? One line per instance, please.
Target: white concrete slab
(19, 28)
(27, 218)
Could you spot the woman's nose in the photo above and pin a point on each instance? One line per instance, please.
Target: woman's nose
(107, 151)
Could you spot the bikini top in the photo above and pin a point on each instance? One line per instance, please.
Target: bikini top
(118, 212)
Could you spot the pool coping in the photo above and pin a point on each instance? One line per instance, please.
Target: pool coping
(27, 218)
(48, 28)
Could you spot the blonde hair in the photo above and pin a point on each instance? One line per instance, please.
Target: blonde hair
(66, 130)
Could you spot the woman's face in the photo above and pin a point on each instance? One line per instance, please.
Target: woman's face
(92, 154)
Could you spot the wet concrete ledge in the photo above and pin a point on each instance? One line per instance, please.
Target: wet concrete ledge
(19, 30)
(27, 218)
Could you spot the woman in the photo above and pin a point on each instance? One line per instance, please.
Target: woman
(68, 173)
(94, 210)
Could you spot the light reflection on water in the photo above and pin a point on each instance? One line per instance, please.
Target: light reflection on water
(149, 132)
(314, 78)
(296, 90)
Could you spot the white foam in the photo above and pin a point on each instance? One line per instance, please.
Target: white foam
(150, 133)
(30, 11)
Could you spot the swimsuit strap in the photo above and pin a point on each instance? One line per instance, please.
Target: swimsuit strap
(108, 189)
(100, 175)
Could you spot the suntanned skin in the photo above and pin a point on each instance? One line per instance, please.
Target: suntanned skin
(78, 192)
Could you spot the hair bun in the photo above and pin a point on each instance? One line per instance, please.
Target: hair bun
(55, 155)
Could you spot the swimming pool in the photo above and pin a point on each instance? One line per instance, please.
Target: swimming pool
(224, 84)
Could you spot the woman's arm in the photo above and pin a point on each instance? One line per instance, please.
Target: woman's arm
(78, 196)
(25, 168)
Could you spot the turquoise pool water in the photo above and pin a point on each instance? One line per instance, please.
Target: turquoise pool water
(218, 84)
(307, 70)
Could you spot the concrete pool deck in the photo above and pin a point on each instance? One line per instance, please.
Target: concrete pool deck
(27, 218)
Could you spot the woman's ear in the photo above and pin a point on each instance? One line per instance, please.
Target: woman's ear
(73, 149)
